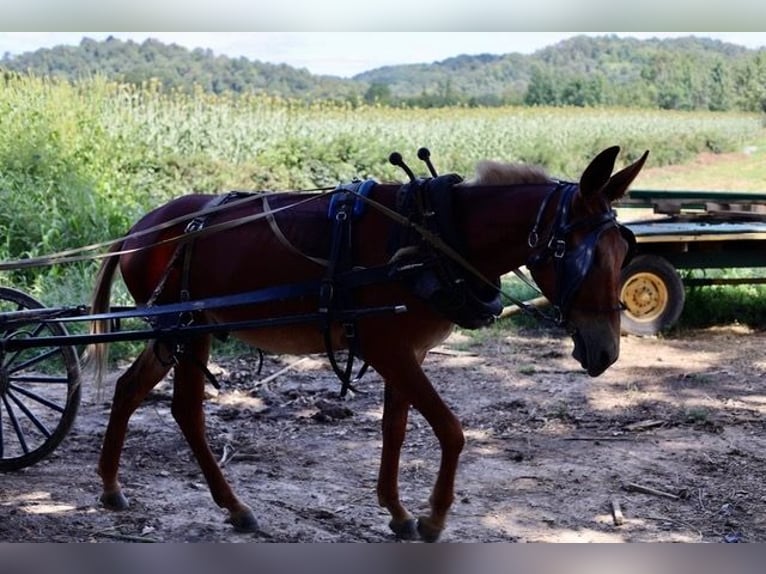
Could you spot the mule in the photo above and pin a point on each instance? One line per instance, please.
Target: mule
(506, 216)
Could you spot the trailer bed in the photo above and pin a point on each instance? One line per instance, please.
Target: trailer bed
(686, 230)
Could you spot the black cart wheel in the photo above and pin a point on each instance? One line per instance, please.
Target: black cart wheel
(653, 295)
(39, 388)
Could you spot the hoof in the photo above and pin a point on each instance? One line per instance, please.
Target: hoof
(404, 530)
(244, 521)
(114, 500)
(428, 532)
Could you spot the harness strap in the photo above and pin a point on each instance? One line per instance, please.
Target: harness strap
(346, 205)
(338, 211)
(427, 251)
(330, 290)
(571, 265)
(164, 278)
(195, 225)
(286, 242)
(184, 250)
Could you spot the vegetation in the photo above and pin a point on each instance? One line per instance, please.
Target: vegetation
(722, 304)
(744, 171)
(673, 74)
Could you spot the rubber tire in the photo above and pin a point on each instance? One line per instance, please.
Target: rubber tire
(653, 294)
(65, 361)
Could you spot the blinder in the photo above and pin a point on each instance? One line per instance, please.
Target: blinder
(572, 267)
(572, 263)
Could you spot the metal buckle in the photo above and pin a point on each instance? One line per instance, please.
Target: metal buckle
(560, 248)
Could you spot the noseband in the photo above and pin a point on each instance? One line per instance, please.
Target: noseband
(571, 262)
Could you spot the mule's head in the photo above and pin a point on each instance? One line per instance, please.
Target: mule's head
(578, 251)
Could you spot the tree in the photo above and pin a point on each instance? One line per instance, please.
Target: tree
(581, 91)
(720, 89)
(542, 89)
(378, 93)
(750, 84)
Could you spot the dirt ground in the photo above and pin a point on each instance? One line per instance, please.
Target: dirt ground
(672, 437)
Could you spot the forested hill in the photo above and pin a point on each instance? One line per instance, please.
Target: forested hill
(176, 67)
(687, 73)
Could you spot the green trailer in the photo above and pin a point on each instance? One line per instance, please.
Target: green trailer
(679, 230)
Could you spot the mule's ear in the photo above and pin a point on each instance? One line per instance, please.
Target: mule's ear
(597, 174)
(620, 182)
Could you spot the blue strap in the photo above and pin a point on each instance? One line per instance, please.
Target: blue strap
(364, 190)
(360, 188)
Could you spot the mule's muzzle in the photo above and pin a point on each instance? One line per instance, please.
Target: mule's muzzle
(595, 362)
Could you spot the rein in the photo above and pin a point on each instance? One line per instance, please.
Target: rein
(72, 255)
(572, 265)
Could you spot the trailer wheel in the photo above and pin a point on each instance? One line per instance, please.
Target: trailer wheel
(653, 295)
(39, 387)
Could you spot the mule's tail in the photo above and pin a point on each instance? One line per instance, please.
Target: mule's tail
(96, 354)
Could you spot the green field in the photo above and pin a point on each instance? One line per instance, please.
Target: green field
(741, 170)
(79, 163)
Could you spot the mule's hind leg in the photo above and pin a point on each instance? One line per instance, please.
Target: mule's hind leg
(187, 409)
(130, 390)
(402, 372)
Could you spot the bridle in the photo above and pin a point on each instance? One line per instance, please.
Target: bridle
(571, 262)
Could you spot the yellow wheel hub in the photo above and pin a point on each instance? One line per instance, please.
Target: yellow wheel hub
(645, 296)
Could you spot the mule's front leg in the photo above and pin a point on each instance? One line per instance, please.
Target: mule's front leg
(449, 432)
(188, 396)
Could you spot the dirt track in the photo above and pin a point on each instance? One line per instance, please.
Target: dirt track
(549, 450)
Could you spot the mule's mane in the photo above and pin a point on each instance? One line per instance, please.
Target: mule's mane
(490, 172)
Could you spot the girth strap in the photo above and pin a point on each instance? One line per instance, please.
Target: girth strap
(345, 207)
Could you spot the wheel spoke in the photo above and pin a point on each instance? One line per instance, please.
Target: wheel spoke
(36, 397)
(32, 335)
(33, 360)
(31, 416)
(39, 379)
(15, 424)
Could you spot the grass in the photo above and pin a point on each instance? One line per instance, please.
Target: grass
(743, 170)
(725, 304)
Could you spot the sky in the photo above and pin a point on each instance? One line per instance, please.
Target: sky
(348, 53)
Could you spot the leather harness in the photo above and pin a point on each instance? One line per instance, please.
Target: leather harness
(417, 263)
(421, 234)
